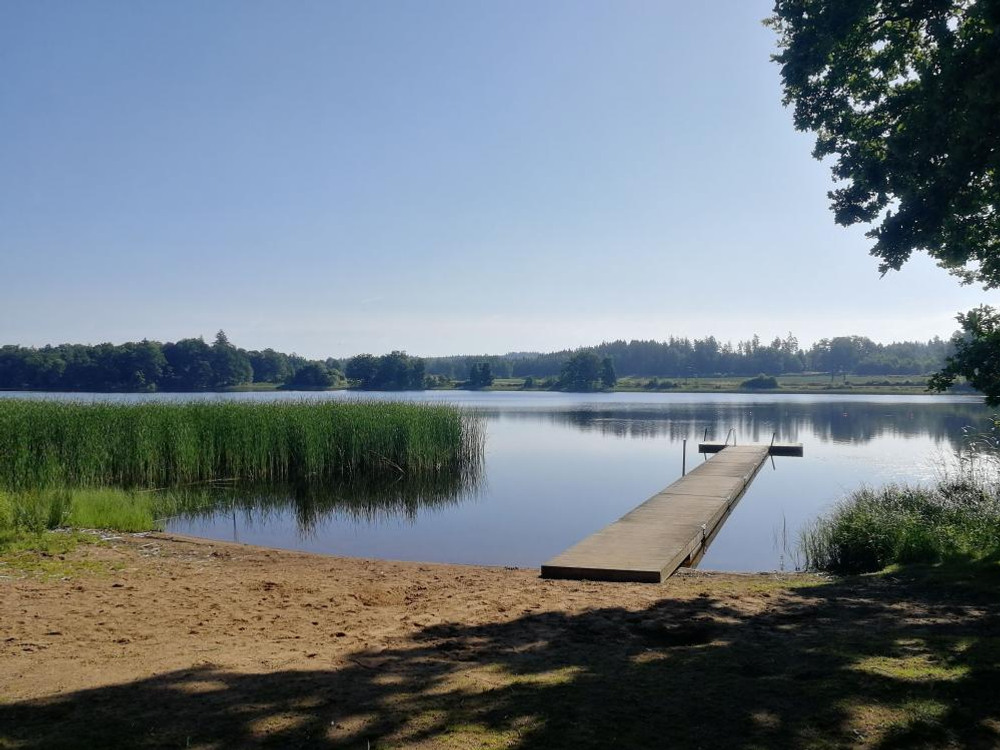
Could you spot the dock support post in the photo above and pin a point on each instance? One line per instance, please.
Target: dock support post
(684, 457)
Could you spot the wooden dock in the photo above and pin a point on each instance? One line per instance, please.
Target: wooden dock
(670, 529)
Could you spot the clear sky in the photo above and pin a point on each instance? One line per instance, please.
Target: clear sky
(441, 177)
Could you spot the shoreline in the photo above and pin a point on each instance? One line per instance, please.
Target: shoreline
(859, 390)
(171, 537)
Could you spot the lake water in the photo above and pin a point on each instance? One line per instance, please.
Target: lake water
(560, 466)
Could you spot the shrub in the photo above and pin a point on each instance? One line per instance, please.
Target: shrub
(760, 382)
(873, 528)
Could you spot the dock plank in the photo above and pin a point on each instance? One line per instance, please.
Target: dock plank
(651, 541)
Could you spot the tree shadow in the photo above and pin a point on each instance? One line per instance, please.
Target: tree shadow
(827, 665)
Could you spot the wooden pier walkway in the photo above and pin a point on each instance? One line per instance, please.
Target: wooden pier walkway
(672, 527)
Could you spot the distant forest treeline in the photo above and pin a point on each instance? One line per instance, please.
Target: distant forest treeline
(681, 357)
(185, 365)
(194, 365)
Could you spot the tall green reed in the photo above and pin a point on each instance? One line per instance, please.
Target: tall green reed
(58, 444)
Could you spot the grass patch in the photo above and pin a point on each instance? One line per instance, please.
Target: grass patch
(45, 554)
(28, 517)
(31, 563)
(70, 444)
(106, 508)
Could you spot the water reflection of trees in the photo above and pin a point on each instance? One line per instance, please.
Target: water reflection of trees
(313, 504)
(843, 422)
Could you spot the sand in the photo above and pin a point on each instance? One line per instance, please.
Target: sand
(164, 602)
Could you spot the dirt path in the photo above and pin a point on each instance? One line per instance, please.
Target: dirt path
(164, 642)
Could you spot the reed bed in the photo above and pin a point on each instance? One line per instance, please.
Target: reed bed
(956, 518)
(52, 444)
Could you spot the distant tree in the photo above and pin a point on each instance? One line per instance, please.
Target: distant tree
(529, 382)
(270, 366)
(393, 372)
(608, 375)
(362, 369)
(437, 381)
(480, 375)
(313, 375)
(140, 366)
(841, 354)
(295, 361)
(580, 372)
(416, 374)
(230, 366)
(190, 365)
(396, 371)
(705, 356)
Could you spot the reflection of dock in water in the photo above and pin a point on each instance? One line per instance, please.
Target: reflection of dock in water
(672, 528)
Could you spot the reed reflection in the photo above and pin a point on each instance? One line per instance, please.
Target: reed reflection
(359, 500)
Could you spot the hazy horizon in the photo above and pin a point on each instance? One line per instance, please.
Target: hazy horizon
(332, 178)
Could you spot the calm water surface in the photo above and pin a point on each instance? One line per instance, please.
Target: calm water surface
(560, 466)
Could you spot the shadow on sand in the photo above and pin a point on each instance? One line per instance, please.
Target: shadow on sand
(882, 662)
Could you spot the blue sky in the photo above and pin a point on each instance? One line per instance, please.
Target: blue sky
(440, 177)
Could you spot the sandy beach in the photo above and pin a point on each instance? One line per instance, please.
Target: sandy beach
(158, 641)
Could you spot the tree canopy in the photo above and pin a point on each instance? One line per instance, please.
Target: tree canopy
(312, 376)
(192, 364)
(581, 372)
(977, 355)
(396, 371)
(905, 96)
(608, 375)
(184, 365)
(480, 375)
(683, 357)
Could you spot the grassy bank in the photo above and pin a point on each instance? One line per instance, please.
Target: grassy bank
(46, 444)
(818, 383)
(957, 518)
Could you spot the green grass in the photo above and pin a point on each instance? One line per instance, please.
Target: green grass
(49, 555)
(958, 518)
(26, 516)
(52, 444)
